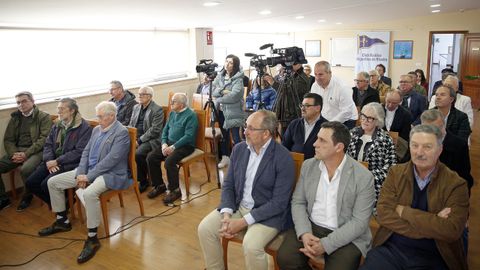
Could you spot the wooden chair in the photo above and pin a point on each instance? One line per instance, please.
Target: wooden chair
(12, 173)
(105, 197)
(394, 136)
(198, 103)
(275, 244)
(198, 154)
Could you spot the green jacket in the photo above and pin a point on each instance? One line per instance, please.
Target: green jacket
(38, 131)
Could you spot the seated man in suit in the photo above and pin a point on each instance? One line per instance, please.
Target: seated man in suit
(412, 100)
(255, 196)
(63, 148)
(422, 210)
(362, 92)
(103, 166)
(302, 132)
(24, 138)
(331, 206)
(147, 117)
(397, 118)
(124, 100)
(178, 141)
(457, 121)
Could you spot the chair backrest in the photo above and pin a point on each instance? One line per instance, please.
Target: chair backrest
(132, 133)
(198, 101)
(93, 122)
(298, 160)
(200, 139)
(166, 113)
(365, 164)
(394, 136)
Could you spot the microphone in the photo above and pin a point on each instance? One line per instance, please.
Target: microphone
(250, 55)
(263, 47)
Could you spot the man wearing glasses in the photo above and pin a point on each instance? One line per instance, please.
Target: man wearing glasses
(178, 141)
(362, 92)
(147, 117)
(255, 196)
(24, 138)
(302, 132)
(124, 100)
(412, 100)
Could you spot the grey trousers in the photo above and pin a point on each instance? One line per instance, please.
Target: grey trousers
(57, 185)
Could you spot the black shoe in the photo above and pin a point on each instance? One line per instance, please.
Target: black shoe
(143, 186)
(172, 196)
(25, 203)
(90, 247)
(156, 191)
(5, 203)
(56, 227)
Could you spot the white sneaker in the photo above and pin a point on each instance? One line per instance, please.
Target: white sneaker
(224, 162)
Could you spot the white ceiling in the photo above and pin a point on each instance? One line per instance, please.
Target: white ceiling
(231, 15)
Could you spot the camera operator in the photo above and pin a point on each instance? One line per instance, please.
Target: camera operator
(289, 95)
(228, 91)
(268, 95)
(204, 87)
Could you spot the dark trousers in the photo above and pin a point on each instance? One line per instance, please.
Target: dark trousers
(27, 168)
(290, 258)
(389, 256)
(234, 132)
(154, 160)
(350, 123)
(37, 182)
(141, 160)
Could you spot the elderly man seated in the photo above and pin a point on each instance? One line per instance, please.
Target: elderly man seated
(103, 166)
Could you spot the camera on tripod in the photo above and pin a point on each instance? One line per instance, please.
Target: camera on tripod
(287, 57)
(207, 66)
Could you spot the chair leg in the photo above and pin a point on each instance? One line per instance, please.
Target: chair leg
(275, 264)
(225, 252)
(70, 202)
(140, 202)
(103, 204)
(186, 173)
(12, 184)
(120, 198)
(206, 167)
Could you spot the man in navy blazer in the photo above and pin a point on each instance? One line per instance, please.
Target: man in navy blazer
(103, 166)
(412, 100)
(397, 118)
(255, 196)
(302, 132)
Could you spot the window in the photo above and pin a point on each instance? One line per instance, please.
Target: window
(53, 63)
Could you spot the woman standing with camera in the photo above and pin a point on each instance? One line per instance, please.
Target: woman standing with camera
(228, 91)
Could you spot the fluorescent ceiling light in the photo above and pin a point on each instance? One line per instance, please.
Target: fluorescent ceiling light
(211, 3)
(436, 11)
(299, 17)
(265, 12)
(322, 20)
(436, 5)
(338, 23)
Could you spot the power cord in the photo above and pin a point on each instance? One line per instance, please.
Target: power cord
(120, 229)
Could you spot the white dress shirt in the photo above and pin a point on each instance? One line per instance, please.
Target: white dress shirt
(389, 115)
(308, 128)
(324, 211)
(462, 103)
(338, 103)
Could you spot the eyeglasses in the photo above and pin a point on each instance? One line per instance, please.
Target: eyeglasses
(173, 102)
(369, 119)
(114, 88)
(250, 128)
(305, 106)
(360, 81)
(405, 82)
(143, 94)
(23, 101)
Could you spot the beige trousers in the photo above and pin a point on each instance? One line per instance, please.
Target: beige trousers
(257, 236)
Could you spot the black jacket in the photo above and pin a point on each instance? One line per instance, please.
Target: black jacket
(402, 123)
(294, 137)
(458, 124)
(455, 155)
(371, 95)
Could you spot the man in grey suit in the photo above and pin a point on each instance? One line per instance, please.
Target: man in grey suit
(255, 196)
(331, 206)
(147, 117)
(103, 166)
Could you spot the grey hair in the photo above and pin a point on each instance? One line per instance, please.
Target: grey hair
(118, 84)
(25, 93)
(181, 98)
(107, 107)
(452, 92)
(379, 112)
(431, 115)
(429, 129)
(71, 103)
(364, 74)
(393, 91)
(269, 121)
(326, 65)
(373, 72)
(146, 89)
(452, 77)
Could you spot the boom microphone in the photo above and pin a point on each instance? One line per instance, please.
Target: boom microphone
(263, 47)
(250, 55)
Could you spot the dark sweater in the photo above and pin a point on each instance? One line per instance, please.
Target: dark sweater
(181, 129)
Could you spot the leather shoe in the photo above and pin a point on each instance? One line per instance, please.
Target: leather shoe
(156, 191)
(25, 203)
(142, 186)
(5, 203)
(90, 247)
(172, 196)
(56, 227)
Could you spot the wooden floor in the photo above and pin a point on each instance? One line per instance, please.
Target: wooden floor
(168, 241)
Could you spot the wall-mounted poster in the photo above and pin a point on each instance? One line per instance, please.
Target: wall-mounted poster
(402, 49)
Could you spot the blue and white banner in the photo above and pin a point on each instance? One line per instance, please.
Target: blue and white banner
(373, 48)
